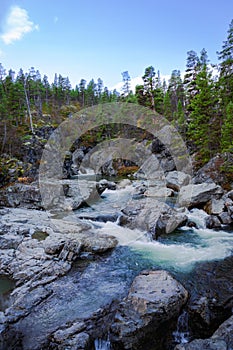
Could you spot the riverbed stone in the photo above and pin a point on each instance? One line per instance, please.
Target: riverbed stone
(215, 206)
(154, 297)
(176, 179)
(212, 221)
(198, 194)
(153, 216)
(225, 218)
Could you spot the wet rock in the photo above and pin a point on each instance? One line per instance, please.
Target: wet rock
(100, 217)
(153, 216)
(210, 285)
(62, 334)
(154, 298)
(212, 221)
(104, 184)
(176, 179)
(99, 243)
(196, 195)
(213, 344)
(225, 218)
(222, 339)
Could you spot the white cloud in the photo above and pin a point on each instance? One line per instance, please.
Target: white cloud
(55, 20)
(17, 25)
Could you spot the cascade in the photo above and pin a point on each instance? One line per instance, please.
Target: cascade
(181, 335)
(101, 344)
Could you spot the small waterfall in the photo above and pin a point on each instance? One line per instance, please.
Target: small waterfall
(101, 344)
(182, 334)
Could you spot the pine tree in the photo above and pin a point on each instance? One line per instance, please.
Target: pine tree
(226, 69)
(149, 86)
(175, 91)
(227, 130)
(192, 67)
(201, 129)
(126, 80)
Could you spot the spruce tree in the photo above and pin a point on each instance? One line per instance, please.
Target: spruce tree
(226, 69)
(227, 130)
(202, 116)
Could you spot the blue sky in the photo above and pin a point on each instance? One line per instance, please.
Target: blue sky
(91, 39)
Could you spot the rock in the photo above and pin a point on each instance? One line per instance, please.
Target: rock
(225, 218)
(154, 298)
(70, 251)
(159, 192)
(153, 216)
(176, 179)
(60, 335)
(68, 195)
(99, 243)
(215, 206)
(79, 341)
(168, 222)
(217, 170)
(196, 195)
(205, 344)
(230, 195)
(210, 285)
(104, 184)
(25, 196)
(212, 221)
(222, 339)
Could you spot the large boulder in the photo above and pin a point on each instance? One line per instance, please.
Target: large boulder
(155, 297)
(153, 216)
(196, 195)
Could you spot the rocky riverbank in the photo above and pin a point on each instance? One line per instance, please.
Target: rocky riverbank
(70, 288)
(38, 250)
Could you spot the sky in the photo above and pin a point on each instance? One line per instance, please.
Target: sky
(85, 39)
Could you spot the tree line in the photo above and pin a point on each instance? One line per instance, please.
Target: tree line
(200, 104)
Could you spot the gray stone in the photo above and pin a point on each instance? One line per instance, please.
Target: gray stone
(194, 195)
(99, 243)
(225, 218)
(215, 206)
(154, 297)
(176, 179)
(153, 216)
(60, 335)
(212, 221)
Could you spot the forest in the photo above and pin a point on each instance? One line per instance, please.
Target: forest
(199, 105)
